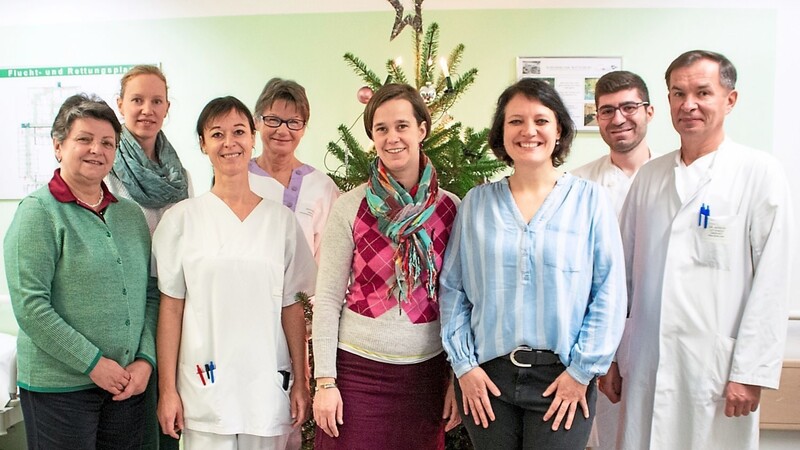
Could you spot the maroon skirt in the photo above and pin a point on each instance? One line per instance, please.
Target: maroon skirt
(389, 406)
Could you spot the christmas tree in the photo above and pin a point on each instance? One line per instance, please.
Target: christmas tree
(460, 154)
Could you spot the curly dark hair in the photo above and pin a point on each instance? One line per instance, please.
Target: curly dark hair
(533, 89)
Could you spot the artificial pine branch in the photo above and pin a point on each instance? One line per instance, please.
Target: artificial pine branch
(358, 160)
(461, 155)
(418, 64)
(460, 85)
(430, 47)
(455, 58)
(396, 72)
(360, 68)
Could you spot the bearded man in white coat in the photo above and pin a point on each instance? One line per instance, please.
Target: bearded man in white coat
(623, 108)
(622, 101)
(706, 231)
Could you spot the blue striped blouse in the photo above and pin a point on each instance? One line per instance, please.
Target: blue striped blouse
(555, 283)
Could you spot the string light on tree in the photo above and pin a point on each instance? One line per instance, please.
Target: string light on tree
(393, 66)
(446, 73)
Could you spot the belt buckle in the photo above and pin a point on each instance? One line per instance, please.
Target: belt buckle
(521, 348)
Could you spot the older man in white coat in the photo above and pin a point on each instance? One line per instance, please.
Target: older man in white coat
(706, 231)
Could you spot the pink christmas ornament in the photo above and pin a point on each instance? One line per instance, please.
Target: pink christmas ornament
(364, 94)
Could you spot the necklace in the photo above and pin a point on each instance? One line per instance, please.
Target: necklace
(92, 206)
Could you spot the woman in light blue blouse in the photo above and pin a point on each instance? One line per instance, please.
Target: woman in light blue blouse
(533, 296)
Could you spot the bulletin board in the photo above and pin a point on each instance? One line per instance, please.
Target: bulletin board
(33, 96)
(574, 78)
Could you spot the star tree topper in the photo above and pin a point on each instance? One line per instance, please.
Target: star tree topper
(400, 22)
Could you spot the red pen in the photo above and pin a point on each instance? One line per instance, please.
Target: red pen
(200, 372)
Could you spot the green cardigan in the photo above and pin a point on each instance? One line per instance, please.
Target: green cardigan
(79, 289)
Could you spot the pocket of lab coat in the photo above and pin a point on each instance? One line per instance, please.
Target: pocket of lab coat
(713, 244)
(282, 401)
(721, 366)
(198, 397)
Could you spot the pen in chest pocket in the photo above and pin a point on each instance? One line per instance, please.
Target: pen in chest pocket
(200, 372)
(705, 213)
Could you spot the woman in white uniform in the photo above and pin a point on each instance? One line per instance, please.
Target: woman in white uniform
(282, 112)
(231, 333)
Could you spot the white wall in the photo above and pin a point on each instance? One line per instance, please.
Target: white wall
(83, 13)
(784, 135)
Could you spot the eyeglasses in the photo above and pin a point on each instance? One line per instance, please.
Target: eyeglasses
(276, 122)
(627, 110)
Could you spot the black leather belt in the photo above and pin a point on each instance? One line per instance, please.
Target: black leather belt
(524, 356)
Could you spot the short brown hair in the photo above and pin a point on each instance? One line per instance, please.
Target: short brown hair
(83, 106)
(532, 89)
(397, 92)
(287, 90)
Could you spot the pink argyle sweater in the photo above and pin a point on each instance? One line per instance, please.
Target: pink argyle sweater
(374, 270)
(356, 266)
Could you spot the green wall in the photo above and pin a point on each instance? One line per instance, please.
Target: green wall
(208, 57)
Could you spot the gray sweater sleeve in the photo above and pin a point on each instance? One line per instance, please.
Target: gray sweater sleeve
(335, 268)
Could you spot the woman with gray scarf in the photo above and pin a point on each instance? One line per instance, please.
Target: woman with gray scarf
(148, 171)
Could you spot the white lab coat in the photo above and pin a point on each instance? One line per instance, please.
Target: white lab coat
(708, 305)
(603, 172)
(617, 183)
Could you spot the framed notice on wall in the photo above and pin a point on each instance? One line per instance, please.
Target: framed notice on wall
(34, 95)
(574, 79)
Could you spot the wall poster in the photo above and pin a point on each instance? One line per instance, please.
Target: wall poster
(33, 96)
(574, 78)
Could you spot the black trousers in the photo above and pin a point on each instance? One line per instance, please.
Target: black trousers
(520, 409)
(80, 420)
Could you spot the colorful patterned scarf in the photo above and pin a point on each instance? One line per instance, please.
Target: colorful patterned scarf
(401, 217)
(149, 183)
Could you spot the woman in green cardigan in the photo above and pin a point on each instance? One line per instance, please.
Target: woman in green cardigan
(77, 261)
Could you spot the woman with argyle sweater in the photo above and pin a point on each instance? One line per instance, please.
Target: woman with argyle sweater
(382, 377)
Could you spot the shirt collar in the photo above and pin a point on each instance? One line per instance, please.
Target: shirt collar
(59, 189)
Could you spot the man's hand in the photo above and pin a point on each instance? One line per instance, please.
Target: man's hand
(610, 384)
(741, 399)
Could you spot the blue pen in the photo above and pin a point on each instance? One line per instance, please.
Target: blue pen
(211, 366)
(705, 212)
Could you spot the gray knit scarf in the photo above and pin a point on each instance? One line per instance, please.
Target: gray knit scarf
(149, 183)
